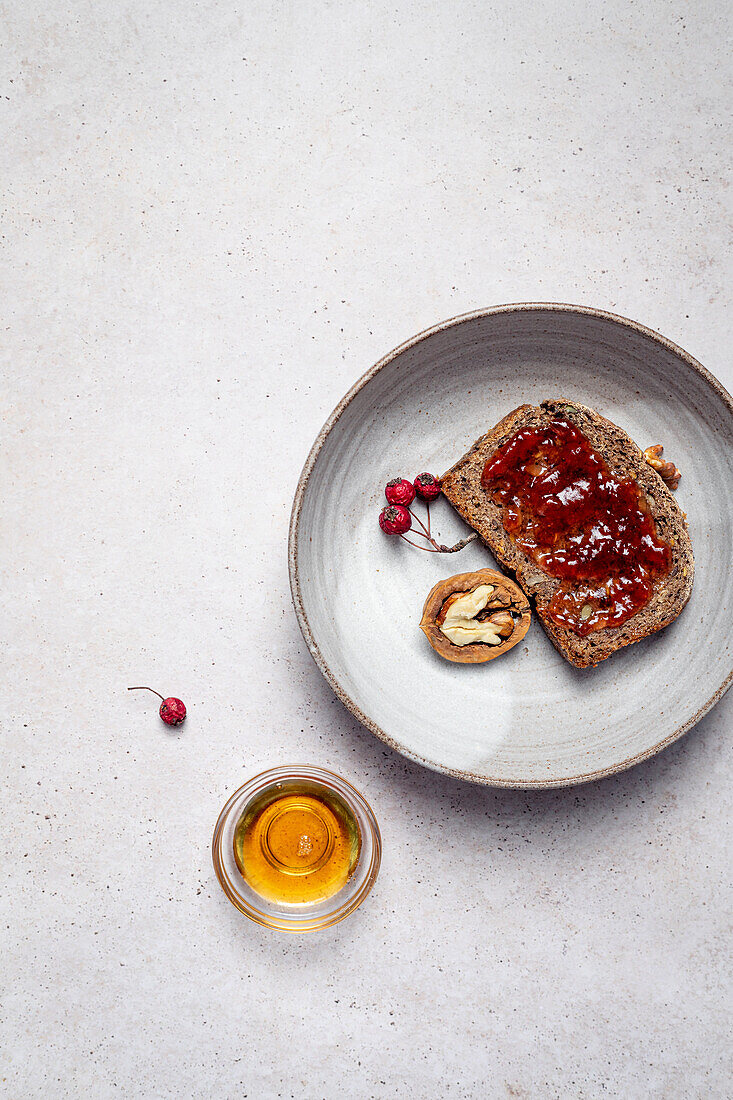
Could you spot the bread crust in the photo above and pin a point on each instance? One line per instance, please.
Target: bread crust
(462, 487)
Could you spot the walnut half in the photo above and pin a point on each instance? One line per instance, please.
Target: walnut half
(473, 617)
(668, 472)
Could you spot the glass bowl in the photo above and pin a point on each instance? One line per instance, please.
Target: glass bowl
(296, 916)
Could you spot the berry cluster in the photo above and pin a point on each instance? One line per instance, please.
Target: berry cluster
(397, 517)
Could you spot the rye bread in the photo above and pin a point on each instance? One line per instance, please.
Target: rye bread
(462, 487)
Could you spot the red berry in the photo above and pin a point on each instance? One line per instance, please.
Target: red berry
(400, 491)
(427, 486)
(172, 711)
(395, 519)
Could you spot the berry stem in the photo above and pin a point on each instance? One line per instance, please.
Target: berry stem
(423, 535)
(435, 547)
(425, 529)
(427, 509)
(459, 545)
(428, 549)
(147, 689)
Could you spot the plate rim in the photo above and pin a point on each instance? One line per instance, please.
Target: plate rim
(295, 514)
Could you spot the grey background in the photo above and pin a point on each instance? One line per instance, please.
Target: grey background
(215, 217)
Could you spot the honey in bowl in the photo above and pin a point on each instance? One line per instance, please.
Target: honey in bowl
(297, 844)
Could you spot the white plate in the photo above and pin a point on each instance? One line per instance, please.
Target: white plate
(528, 719)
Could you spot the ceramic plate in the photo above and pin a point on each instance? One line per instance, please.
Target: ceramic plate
(528, 719)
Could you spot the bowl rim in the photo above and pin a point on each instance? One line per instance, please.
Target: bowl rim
(295, 589)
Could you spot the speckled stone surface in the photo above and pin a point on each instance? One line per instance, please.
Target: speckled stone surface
(215, 217)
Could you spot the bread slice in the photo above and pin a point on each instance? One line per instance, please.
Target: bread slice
(462, 487)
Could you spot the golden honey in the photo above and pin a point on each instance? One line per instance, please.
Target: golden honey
(297, 843)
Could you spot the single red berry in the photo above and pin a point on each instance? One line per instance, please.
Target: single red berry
(427, 486)
(400, 491)
(395, 519)
(171, 710)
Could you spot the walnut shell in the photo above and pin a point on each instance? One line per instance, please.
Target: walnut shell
(508, 597)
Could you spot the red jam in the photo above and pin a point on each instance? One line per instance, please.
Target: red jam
(580, 523)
